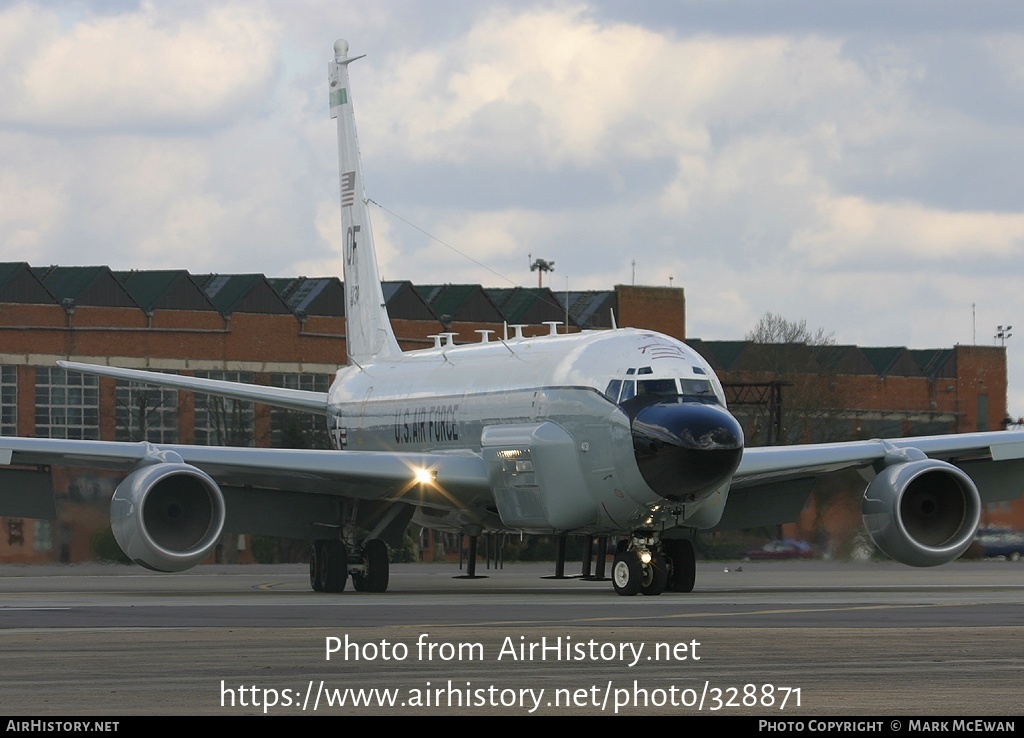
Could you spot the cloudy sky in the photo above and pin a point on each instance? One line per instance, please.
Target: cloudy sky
(856, 164)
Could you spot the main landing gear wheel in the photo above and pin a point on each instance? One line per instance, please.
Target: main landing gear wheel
(655, 575)
(683, 564)
(334, 566)
(627, 573)
(315, 553)
(328, 566)
(377, 571)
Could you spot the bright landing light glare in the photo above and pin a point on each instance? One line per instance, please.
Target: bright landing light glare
(424, 476)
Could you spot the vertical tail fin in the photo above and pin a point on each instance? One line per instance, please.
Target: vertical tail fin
(368, 333)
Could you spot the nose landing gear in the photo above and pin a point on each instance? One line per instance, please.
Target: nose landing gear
(647, 565)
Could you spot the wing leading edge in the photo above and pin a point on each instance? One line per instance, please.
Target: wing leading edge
(359, 474)
(292, 399)
(773, 463)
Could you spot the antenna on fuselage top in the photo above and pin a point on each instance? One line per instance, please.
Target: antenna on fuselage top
(510, 349)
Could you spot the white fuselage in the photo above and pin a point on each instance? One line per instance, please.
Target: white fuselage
(450, 398)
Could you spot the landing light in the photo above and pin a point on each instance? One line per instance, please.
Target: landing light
(425, 476)
(645, 557)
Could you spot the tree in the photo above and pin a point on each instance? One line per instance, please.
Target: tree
(774, 328)
(805, 360)
(812, 402)
(146, 413)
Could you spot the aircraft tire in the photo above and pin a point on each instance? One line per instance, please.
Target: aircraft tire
(655, 576)
(378, 568)
(315, 553)
(683, 565)
(627, 573)
(334, 566)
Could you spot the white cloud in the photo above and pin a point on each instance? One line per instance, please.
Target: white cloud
(30, 209)
(148, 68)
(1007, 50)
(851, 230)
(857, 179)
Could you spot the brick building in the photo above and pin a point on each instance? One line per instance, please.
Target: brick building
(290, 332)
(837, 393)
(852, 392)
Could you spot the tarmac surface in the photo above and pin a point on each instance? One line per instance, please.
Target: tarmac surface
(807, 638)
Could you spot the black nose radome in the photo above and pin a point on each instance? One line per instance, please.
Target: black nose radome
(686, 448)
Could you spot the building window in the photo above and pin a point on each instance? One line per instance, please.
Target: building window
(221, 421)
(8, 400)
(42, 535)
(146, 413)
(15, 532)
(67, 404)
(293, 428)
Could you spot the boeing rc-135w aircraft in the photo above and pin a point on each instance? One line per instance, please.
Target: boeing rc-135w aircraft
(609, 432)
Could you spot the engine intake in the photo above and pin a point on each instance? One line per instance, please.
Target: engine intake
(922, 513)
(167, 516)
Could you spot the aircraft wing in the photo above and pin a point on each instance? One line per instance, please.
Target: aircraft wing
(292, 399)
(169, 511)
(772, 483)
(360, 474)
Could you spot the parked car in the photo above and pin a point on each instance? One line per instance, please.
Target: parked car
(1001, 542)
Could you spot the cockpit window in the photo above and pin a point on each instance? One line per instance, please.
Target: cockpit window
(700, 388)
(689, 389)
(665, 387)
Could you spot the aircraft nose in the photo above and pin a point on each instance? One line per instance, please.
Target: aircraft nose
(685, 448)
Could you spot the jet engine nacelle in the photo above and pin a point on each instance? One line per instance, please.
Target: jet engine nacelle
(167, 516)
(922, 513)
